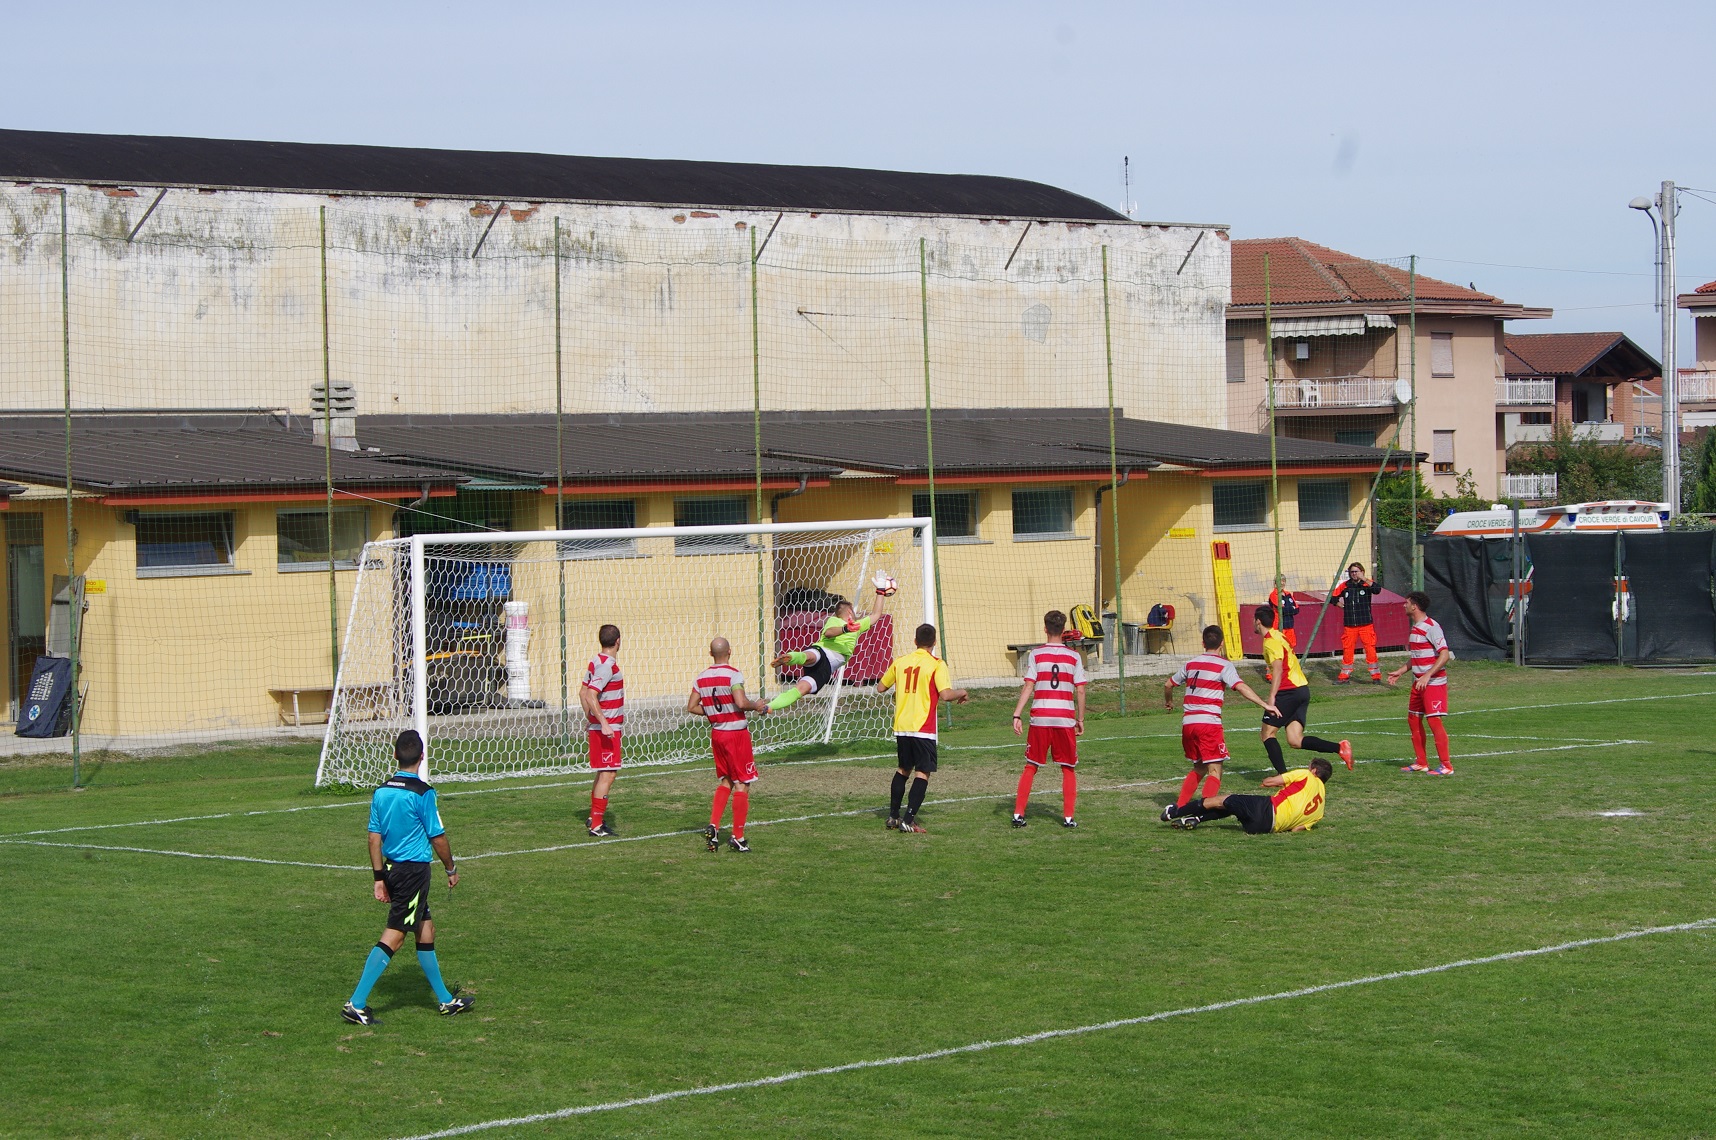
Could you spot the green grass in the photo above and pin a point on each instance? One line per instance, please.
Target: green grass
(151, 995)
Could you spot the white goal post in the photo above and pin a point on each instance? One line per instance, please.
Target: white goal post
(480, 640)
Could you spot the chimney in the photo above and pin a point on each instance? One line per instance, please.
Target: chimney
(338, 415)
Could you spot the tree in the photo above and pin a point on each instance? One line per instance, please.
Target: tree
(1588, 469)
(1698, 481)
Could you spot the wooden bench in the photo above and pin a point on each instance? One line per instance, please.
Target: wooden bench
(362, 702)
(1021, 652)
(296, 720)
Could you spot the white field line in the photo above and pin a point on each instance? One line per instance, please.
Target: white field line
(1055, 1034)
(853, 813)
(700, 770)
(184, 854)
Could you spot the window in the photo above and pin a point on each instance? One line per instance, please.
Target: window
(955, 514)
(1441, 354)
(1235, 360)
(189, 543)
(734, 510)
(302, 538)
(1040, 514)
(1537, 417)
(598, 514)
(1324, 502)
(1357, 437)
(1442, 453)
(1241, 504)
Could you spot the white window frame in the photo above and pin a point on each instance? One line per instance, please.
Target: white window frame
(230, 567)
(321, 513)
(1068, 534)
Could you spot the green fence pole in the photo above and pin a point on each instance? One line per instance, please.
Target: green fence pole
(1274, 464)
(74, 594)
(560, 498)
(929, 445)
(757, 457)
(1412, 300)
(328, 451)
(1114, 489)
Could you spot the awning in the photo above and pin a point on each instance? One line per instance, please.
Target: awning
(1292, 328)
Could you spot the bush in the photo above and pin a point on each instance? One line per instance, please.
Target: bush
(1588, 469)
(1394, 501)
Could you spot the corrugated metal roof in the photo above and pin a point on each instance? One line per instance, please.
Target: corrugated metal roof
(212, 453)
(521, 177)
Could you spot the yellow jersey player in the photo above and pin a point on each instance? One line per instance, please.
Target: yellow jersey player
(920, 681)
(1296, 806)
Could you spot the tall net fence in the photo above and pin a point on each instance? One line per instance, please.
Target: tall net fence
(216, 400)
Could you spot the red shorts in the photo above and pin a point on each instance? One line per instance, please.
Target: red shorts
(1043, 743)
(1204, 743)
(1433, 701)
(733, 758)
(604, 751)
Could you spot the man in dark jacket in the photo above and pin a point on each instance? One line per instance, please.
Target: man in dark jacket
(1357, 626)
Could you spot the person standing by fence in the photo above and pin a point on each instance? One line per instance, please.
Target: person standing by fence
(1427, 656)
(1357, 625)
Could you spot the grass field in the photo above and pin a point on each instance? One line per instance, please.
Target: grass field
(148, 993)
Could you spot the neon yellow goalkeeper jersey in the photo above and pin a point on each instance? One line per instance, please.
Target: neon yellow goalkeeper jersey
(842, 637)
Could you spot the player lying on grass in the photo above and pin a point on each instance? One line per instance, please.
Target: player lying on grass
(1207, 678)
(822, 660)
(1427, 656)
(1290, 693)
(404, 825)
(1054, 687)
(718, 695)
(920, 681)
(1298, 806)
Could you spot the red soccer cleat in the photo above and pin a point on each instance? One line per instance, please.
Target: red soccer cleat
(1347, 754)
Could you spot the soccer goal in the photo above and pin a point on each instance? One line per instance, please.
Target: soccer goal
(480, 641)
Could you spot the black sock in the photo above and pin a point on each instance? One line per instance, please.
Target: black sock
(1318, 744)
(917, 798)
(895, 794)
(1193, 807)
(1273, 747)
(1213, 812)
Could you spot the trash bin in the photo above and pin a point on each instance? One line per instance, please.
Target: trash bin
(1110, 636)
(1134, 633)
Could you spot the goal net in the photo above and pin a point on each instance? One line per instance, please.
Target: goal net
(481, 641)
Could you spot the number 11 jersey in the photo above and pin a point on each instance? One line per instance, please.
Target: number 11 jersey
(919, 679)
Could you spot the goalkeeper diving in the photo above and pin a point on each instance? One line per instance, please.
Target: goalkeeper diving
(824, 659)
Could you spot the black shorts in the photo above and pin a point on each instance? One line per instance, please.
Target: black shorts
(1255, 813)
(1293, 703)
(408, 887)
(917, 753)
(820, 671)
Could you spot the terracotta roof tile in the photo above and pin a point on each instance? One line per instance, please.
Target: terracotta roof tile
(1303, 272)
(1570, 354)
(1707, 287)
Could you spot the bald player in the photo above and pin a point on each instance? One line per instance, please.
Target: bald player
(718, 695)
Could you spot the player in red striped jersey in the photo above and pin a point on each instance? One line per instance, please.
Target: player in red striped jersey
(1207, 678)
(1054, 688)
(603, 697)
(718, 695)
(1427, 656)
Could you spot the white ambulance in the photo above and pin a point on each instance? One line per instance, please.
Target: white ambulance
(1582, 518)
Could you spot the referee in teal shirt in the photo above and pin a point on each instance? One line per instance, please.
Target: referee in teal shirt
(404, 826)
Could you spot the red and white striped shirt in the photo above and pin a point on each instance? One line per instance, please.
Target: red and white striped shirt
(1423, 645)
(1056, 672)
(1207, 678)
(715, 692)
(603, 675)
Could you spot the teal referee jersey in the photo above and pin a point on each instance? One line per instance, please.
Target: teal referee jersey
(404, 814)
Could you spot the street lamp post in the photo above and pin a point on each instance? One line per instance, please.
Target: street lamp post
(1667, 206)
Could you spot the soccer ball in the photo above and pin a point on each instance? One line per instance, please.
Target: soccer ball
(885, 584)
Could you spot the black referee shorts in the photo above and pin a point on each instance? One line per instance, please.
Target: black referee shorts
(916, 753)
(408, 887)
(1294, 704)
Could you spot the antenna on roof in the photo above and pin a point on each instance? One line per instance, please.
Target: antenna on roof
(1127, 205)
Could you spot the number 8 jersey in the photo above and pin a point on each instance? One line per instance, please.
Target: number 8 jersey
(1055, 672)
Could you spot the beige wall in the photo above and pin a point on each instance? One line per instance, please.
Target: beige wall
(218, 303)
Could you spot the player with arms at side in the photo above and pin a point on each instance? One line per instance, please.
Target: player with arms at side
(1207, 677)
(1290, 694)
(718, 695)
(920, 681)
(822, 660)
(1427, 656)
(1298, 806)
(1054, 688)
(404, 828)
(603, 697)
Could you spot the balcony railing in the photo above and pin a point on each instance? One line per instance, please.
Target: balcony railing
(1535, 487)
(1697, 385)
(1334, 392)
(1517, 393)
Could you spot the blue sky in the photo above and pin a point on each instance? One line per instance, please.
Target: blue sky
(1499, 141)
